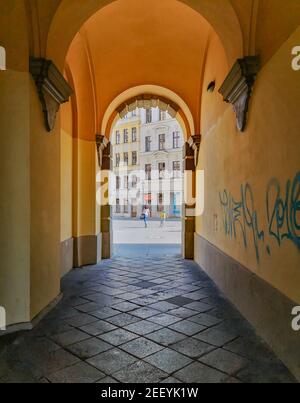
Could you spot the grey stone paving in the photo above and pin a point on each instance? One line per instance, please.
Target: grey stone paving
(135, 320)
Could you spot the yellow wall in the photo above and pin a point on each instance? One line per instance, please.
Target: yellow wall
(66, 185)
(14, 165)
(66, 169)
(14, 196)
(45, 208)
(84, 213)
(269, 148)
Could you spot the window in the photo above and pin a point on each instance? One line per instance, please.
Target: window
(162, 115)
(133, 134)
(148, 144)
(176, 169)
(148, 200)
(176, 139)
(134, 158)
(118, 182)
(118, 160)
(160, 206)
(148, 116)
(126, 182)
(148, 169)
(118, 137)
(162, 142)
(126, 206)
(118, 207)
(161, 170)
(134, 181)
(126, 159)
(126, 136)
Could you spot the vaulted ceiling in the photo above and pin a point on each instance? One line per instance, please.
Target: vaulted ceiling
(140, 42)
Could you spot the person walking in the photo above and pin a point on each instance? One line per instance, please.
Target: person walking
(163, 217)
(146, 214)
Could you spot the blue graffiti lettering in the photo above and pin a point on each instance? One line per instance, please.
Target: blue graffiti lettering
(282, 214)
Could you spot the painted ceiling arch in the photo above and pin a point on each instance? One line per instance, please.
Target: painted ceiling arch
(130, 43)
(71, 15)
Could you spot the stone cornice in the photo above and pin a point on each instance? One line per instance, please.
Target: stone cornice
(52, 88)
(237, 87)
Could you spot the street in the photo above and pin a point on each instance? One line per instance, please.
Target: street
(132, 239)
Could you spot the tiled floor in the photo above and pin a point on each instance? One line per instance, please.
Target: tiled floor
(134, 320)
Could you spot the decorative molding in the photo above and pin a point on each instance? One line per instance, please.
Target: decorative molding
(194, 143)
(52, 88)
(101, 144)
(237, 87)
(148, 101)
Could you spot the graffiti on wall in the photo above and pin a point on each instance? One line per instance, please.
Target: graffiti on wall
(281, 220)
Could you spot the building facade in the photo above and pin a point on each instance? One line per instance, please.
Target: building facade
(147, 171)
(126, 148)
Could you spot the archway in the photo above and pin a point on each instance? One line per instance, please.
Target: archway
(167, 122)
(103, 91)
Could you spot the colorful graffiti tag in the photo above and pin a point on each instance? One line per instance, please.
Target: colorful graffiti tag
(282, 215)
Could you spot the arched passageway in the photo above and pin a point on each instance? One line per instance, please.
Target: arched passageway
(109, 53)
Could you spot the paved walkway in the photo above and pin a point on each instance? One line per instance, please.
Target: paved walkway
(130, 320)
(134, 232)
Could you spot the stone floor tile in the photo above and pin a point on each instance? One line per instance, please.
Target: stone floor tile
(125, 306)
(183, 313)
(216, 337)
(168, 360)
(105, 313)
(187, 327)
(88, 307)
(111, 361)
(142, 327)
(164, 319)
(144, 313)
(199, 373)
(78, 373)
(118, 337)
(123, 319)
(179, 301)
(224, 361)
(205, 320)
(108, 380)
(141, 347)
(163, 306)
(97, 328)
(199, 306)
(192, 348)
(71, 337)
(81, 320)
(89, 348)
(166, 337)
(127, 296)
(140, 372)
(171, 380)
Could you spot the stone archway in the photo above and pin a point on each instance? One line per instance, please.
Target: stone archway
(178, 109)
